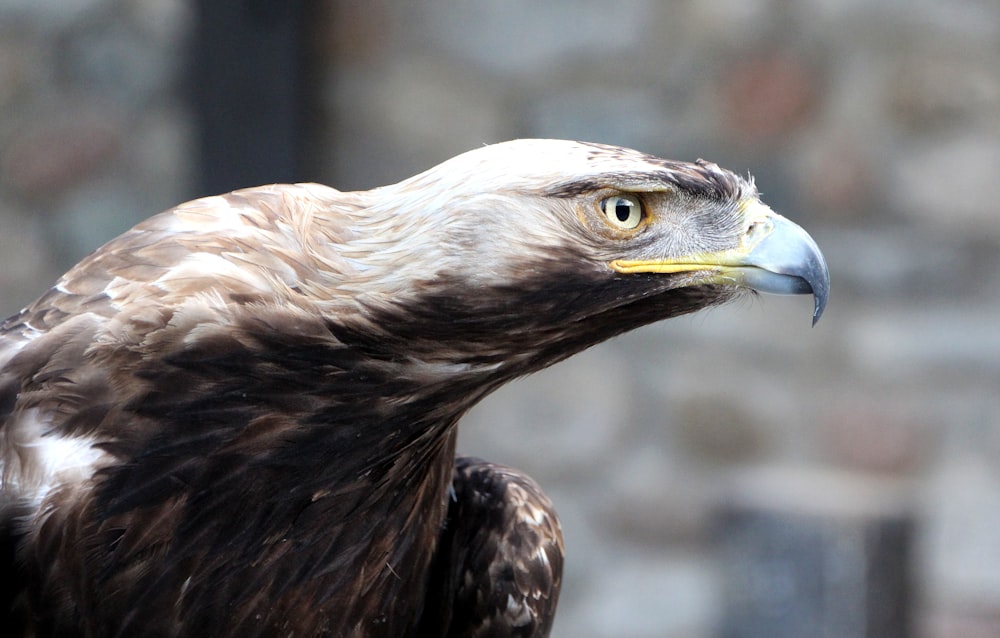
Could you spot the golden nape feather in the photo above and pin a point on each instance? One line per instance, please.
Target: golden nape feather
(238, 418)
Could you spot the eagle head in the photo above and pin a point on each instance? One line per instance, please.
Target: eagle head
(531, 250)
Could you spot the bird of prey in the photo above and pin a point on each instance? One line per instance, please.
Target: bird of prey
(238, 418)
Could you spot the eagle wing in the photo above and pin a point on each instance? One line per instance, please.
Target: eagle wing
(498, 567)
(100, 383)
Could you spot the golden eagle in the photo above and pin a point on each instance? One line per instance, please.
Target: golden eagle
(238, 418)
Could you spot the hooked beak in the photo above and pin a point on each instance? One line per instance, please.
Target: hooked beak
(774, 256)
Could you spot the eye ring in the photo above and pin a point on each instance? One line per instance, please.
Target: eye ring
(623, 212)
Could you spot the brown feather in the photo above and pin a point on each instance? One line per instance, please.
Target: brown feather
(238, 418)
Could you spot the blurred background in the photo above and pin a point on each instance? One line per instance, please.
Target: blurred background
(874, 125)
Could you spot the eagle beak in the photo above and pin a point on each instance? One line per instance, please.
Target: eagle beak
(774, 255)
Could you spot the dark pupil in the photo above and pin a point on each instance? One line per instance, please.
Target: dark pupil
(623, 210)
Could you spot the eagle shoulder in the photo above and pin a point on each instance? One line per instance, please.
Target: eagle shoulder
(498, 565)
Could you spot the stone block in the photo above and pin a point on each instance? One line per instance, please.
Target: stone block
(811, 553)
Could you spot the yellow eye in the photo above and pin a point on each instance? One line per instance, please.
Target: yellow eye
(623, 211)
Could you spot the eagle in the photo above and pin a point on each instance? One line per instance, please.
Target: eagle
(238, 418)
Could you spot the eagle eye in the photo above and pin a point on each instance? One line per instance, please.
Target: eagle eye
(623, 211)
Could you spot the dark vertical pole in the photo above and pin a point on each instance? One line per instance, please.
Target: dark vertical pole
(812, 554)
(250, 74)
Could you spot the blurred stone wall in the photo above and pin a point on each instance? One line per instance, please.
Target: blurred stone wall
(94, 133)
(875, 125)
